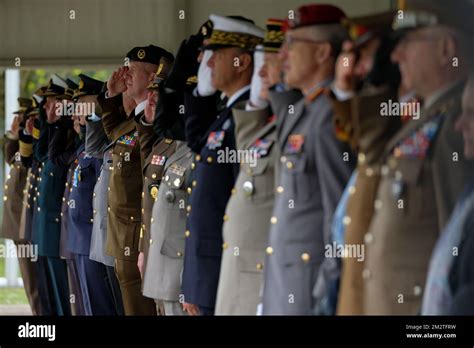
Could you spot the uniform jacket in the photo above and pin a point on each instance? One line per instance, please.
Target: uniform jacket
(124, 196)
(212, 183)
(421, 181)
(312, 177)
(162, 279)
(248, 213)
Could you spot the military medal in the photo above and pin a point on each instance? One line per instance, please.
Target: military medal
(261, 147)
(129, 140)
(158, 160)
(214, 140)
(177, 169)
(153, 190)
(294, 144)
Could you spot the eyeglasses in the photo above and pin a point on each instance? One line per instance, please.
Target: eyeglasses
(289, 41)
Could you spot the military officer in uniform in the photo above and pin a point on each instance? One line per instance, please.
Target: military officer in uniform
(250, 206)
(314, 165)
(98, 145)
(356, 96)
(164, 266)
(49, 197)
(124, 219)
(213, 177)
(12, 205)
(424, 168)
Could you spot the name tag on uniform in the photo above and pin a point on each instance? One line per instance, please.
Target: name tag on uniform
(418, 143)
(261, 147)
(294, 144)
(158, 160)
(128, 139)
(215, 139)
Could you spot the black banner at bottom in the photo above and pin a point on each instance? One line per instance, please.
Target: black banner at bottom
(168, 331)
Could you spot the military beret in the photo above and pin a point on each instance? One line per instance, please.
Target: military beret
(148, 54)
(24, 104)
(316, 14)
(56, 87)
(161, 73)
(415, 14)
(234, 31)
(274, 35)
(88, 86)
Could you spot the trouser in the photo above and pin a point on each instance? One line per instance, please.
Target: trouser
(75, 292)
(30, 272)
(45, 287)
(59, 280)
(115, 289)
(129, 279)
(173, 308)
(96, 293)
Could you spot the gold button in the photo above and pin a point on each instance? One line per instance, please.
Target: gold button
(198, 158)
(152, 220)
(95, 211)
(64, 199)
(56, 219)
(233, 191)
(273, 220)
(131, 218)
(193, 165)
(143, 211)
(108, 188)
(187, 233)
(352, 190)
(209, 159)
(194, 183)
(305, 257)
(188, 208)
(226, 217)
(5, 198)
(289, 165)
(61, 214)
(269, 250)
(361, 157)
(189, 189)
(108, 209)
(143, 194)
(51, 173)
(417, 290)
(6, 187)
(179, 254)
(151, 241)
(39, 209)
(153, 176)
(280, 189)
(282, 159)
(346, 220)
(225, 246)
(369, 172)
(259, 266)
(93, 195)
(92, 221)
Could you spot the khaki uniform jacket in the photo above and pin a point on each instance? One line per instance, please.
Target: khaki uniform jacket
(14, 188)
(162, 279)
(155, 154)
(124, 196)
(370, 133)
(247, 219)
(417, 193)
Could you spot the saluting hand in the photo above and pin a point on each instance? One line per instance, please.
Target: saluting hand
(116, 83)
(15, 128)
(345, 79)
(150, 108)
(29, 125)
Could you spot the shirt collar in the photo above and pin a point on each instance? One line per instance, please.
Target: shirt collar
(236, 95)
(432, 99)
(140, 107)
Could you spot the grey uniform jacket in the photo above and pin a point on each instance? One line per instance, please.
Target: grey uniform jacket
(312, 176)
(97, 146)
(247, 219)
(162, 278)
